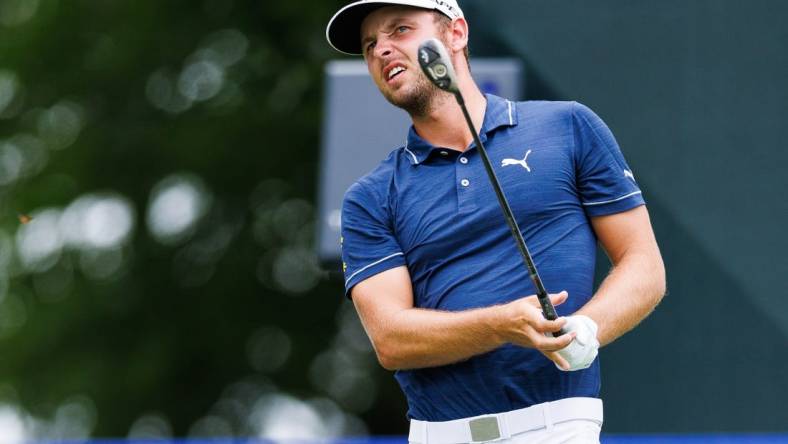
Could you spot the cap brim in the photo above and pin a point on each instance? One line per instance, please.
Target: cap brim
(344, 30)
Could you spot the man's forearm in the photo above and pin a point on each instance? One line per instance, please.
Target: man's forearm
(407, 337)
(419, 338)
(415, 338)
(627, 295)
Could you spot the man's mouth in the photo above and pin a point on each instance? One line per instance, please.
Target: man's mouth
(395, 71)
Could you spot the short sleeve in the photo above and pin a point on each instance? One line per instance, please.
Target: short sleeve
(606, 183)
(368, 243)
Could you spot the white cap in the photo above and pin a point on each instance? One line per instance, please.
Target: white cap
(344, 30)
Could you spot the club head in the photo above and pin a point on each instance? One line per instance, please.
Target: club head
(437, 66)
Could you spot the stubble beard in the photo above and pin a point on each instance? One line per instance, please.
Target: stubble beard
(419, 98)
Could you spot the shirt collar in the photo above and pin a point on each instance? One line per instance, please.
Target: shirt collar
(499, 112)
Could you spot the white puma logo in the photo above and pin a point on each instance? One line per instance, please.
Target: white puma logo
(507, 162)
(629, 174)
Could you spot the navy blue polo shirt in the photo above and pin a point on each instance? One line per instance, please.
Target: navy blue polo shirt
(433, 210)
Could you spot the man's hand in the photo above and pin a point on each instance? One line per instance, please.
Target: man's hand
(526, 326)
(580, 353)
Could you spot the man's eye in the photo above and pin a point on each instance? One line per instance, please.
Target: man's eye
(402, 29)
(370, 46)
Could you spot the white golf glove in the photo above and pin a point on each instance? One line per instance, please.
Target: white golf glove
(580, 353)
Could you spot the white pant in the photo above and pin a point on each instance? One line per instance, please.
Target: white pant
(578, 431)
(566, 421)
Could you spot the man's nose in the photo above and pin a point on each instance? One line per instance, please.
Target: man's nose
(382, 48)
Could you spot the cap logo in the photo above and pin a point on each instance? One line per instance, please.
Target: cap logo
(448, 6)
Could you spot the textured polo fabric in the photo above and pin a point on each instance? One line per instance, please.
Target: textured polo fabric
(433, 210)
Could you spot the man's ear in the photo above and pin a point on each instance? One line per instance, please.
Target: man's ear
(459, 34)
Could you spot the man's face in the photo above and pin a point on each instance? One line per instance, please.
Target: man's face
(390, 38)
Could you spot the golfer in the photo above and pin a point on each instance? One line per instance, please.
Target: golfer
(432, 269)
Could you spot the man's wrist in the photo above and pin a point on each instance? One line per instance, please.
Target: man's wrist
(497, 322)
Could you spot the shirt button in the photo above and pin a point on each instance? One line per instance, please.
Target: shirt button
(465, 182)
(463, 160)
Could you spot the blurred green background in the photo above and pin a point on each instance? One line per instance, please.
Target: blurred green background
(168, 154)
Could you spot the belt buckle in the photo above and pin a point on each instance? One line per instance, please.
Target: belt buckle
(485, 428)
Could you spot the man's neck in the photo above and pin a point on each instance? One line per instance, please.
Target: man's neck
(444, 124)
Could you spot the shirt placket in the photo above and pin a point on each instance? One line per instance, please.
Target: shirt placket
(466, 182)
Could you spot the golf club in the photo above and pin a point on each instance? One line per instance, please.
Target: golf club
(437, 66)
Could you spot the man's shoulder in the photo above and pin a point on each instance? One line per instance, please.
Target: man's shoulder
(547, 108)
(556, 109)
(553, 112)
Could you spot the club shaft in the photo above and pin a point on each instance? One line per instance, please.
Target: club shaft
(541, 293)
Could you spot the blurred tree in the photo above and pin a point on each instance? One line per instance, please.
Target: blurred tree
(167, 153)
